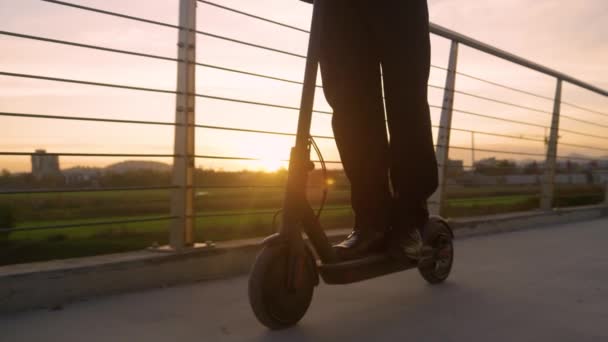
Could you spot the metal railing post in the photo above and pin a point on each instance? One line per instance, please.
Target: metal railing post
(548, 189)
(182, 199)
(436, 202)
(473, 149)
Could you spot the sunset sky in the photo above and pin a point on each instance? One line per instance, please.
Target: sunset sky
(569, 36)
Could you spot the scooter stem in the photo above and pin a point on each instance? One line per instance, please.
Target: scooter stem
(310, 80)
(297, 212)
(299, 162)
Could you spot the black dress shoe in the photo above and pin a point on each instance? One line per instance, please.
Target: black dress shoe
(360, 243)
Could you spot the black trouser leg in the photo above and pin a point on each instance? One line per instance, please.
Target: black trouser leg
(401, 29)
(358, 36)
(351, 79)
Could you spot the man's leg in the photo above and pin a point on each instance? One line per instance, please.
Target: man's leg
(351, 79)
(402, 30)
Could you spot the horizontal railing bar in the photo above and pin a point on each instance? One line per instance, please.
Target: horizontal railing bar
(494, 134)
(87, 224)
(565, 130)
(338, 208)
(255, 103)
(114, 14)
(250, 186)
(68, 154)
(219, 186)
(497, 151)
(494, 117)
(578, 158)
(583, 146)
(504, 86)
(252, 74)
(259, 131)
(237, 71)
(253, 213)
(583, 121)
(66, 80)
(147, 188)
(253, 16)
(315, 161)
(584, 108)
(78, 118)
(502, 102)
(476, 44)
(245, 186)
(333, 138)
(242, 42)
(257, 159)
(78, 190)
(87, 46)
(226, 158)
(486, 186)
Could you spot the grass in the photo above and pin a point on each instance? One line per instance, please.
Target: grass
(223, 221)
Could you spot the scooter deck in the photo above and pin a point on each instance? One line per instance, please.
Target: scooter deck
(353, 271)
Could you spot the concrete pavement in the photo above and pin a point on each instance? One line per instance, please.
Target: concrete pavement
(549, 284)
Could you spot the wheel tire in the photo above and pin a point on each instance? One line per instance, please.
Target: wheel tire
(273, 304)
(438, 253)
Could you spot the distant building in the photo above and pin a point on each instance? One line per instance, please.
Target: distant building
(487, 162)
(521, 179)
(477, 179)
(568, 178)
(45, 165)
(600, 177)
(82, 175)
(455, 167)
(571, 178)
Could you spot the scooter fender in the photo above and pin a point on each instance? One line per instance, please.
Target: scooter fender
(274, 239)
(440, 220)
(310, 264)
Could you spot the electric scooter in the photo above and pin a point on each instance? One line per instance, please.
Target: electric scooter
(286, 270)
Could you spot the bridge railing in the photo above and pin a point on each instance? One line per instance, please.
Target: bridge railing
(183, 215)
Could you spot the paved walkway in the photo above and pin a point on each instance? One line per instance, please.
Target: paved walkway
(548, 284)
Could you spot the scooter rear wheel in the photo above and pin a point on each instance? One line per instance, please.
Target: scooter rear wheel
(276, 306)
(438, 253)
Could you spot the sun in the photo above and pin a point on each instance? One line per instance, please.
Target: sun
(271, 165)
(269, 154)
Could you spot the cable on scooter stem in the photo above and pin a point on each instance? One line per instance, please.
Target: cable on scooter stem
(313, 143)
(325, 176)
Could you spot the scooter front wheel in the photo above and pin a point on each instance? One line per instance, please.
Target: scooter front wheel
(438, 253)
(274, 304)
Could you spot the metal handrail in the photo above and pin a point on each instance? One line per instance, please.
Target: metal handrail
(494, 51)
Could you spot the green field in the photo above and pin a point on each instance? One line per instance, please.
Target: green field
(229, 214)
